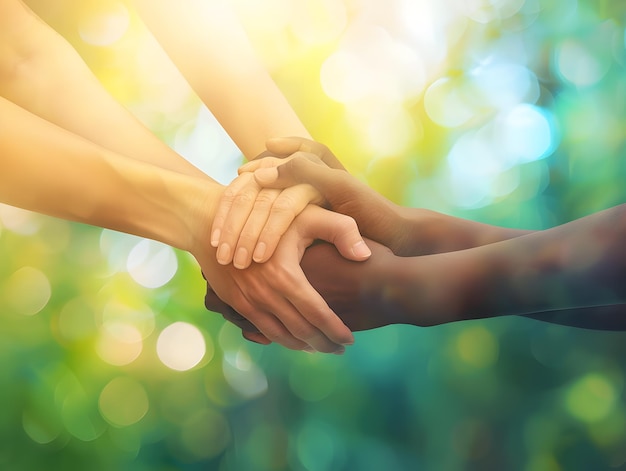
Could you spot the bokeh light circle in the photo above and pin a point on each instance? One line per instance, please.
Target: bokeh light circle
(181, 346)
(152, 264)
(578, 65)
(205, 434)
(243, 375)
(591, 398)
(119, 343)
(447, 104)
(27, 291)
(123, 401)
(525, 134)
(104, 25)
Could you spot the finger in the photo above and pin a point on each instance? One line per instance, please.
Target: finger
(285, 208)
(283, 146)
(338, 229)
(256, 337)
(304, 169)
(226, 202)
(253, 227)
(241, 207)
(282, 321)
(265, 162)
(323, 330)
(213, 303)
(270, 326)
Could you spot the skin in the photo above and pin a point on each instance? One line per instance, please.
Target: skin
(128, 180)
(250, 220)
(571, 274)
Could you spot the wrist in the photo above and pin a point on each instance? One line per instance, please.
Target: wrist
(198, 206)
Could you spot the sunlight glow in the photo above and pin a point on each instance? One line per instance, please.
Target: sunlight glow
(316, 22)
(105, 25)
(371, 63)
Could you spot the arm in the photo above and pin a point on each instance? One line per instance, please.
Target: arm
(579, 266)
(209, 46)
(42, 73)
(407, 231)
(63, 175)
(398, 290)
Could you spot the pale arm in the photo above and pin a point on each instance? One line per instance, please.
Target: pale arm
(209, 46)
(63, 175)
(42, 73)
(49, 170)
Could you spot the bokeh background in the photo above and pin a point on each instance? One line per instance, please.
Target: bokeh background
(510, 112)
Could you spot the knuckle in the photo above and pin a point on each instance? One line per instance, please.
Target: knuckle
(229, 194)
(274, 332)
(247, 238)
(346, 224)
(265, 199)
(284, 205)
(244, 198)
(304, 331)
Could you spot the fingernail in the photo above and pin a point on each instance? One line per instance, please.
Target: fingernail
(361, 250)
(241, 258)
(310, 350)
(266, 175)
(215, 237)
(340, 351)
(223, 254)
(259, 252)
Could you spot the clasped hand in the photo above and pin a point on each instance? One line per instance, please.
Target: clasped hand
(258, 237)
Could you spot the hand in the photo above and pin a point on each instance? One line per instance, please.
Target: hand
(250, 220)
(276, 297)
(377, 218)
(355, 291)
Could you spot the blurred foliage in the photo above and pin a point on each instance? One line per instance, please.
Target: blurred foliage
(510, 112)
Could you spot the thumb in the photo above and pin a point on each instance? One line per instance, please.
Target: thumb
(338, 229)
(301, 169)
(285, 146)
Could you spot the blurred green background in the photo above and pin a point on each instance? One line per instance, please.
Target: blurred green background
(505, 111)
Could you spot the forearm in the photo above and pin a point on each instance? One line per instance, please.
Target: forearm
(430, 232)
(42, 73)
(207, 43)
(581, 264)
(63, 175)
